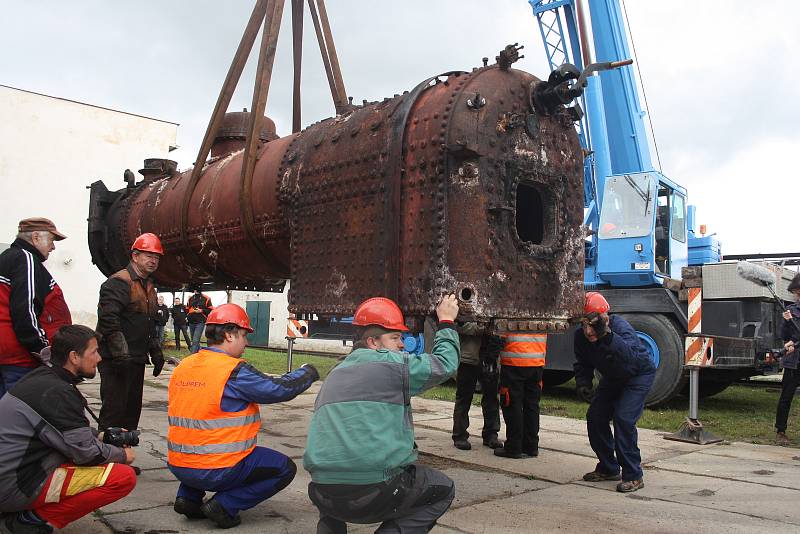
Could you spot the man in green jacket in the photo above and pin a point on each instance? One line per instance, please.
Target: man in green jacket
(361, 452)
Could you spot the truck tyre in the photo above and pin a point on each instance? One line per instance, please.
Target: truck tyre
(553, 378)
(659, 330)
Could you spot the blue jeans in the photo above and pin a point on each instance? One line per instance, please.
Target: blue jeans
(196, 330)
(182, 329)
(9, 374)
(257, 477)
(623, 404)
(160, 333)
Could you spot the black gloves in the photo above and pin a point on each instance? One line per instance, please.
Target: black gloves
(118, 348)
(311, 370)
(599, 324)
(156, 357)
(491, 345)
(585, 393)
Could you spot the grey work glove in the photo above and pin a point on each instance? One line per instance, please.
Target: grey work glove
(156, 357)
(311, 370)
(118, 348)
(585, 393)
(43, 356)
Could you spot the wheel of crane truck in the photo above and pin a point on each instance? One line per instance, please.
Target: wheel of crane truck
(553, 378)
(662, 338)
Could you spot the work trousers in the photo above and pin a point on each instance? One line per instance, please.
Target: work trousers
(622, 403)
(182, 329)
(520, 392)
(73, 491)
(121, 385)
(791, 380)
(257, 477)
(466, 379)
(409, 503)
(196, 330)
(10, 374)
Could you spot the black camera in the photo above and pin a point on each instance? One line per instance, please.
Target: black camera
(121, 438)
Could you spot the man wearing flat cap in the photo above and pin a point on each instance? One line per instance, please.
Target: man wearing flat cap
(32, 306)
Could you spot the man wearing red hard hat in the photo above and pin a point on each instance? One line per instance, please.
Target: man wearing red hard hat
(214, 421)
(609, 344)
(126, 314)
(360, 450)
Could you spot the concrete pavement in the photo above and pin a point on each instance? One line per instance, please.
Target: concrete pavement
(728, 487)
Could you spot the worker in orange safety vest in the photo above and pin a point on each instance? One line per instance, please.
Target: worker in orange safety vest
(214, 421)
(521, 367)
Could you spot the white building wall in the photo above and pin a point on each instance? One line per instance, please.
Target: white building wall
(279, 315)
(50, 150)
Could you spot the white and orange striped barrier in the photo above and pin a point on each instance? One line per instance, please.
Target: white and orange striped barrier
(699, 349)
(296, 328)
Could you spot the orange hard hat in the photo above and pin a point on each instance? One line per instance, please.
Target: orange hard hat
(148, 243)
(230, 314)
(382, 312)
(595, 303)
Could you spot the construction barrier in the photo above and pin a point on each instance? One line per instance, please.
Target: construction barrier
(296, 328)
(699, 349)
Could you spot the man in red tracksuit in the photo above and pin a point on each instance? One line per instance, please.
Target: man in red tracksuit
(32, 306)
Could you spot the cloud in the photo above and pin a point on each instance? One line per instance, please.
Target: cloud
(719, 74)
(750, 200)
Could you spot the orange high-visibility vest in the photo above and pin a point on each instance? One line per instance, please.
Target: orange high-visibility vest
(201, 435)
(524, 350)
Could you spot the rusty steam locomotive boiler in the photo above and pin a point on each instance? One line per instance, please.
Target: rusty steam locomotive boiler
(469, 183)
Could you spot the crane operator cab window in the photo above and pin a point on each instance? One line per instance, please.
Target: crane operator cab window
(662, 230)
(628, 205)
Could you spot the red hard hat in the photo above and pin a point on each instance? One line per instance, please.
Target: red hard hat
(148, 243)
(230, 314)
(380, 311)
(595, 302)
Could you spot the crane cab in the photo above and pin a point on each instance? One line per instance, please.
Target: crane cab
(642, 231)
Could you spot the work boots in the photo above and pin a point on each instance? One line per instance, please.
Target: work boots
(492, 442)
(504, 453)
(10, 524)
(191, 509)
(462, 444)
(630, 485)
(215, 512)
(781, 439)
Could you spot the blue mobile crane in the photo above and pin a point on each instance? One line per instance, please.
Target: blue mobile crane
(641, 230)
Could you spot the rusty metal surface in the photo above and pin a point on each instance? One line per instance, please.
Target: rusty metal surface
(457, 185)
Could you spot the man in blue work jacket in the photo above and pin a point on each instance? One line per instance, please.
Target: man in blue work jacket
(609, 344)
(214, 421)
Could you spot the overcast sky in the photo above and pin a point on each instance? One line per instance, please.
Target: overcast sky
(721, 78)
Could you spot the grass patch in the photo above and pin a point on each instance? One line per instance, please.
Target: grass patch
(740, 413)
(274, 362)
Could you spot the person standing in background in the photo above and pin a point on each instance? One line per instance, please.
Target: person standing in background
(199, 307)
(162, 316)
(179, 324)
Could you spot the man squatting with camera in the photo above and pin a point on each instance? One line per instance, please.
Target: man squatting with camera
(54, 467)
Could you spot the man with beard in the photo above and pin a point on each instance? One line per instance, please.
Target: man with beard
(54, 468)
